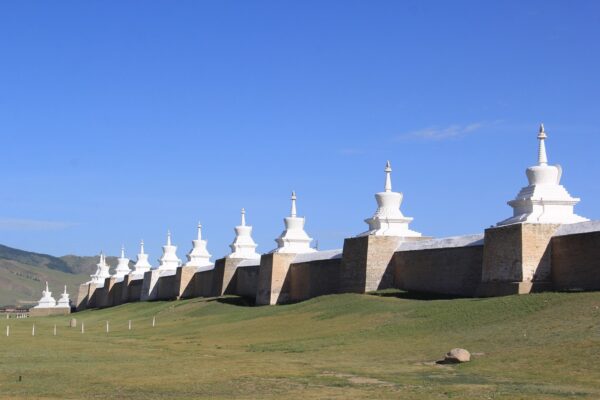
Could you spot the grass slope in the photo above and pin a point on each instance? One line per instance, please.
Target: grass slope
(543, 346)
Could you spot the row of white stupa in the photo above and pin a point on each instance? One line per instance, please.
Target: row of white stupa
(47, 301)
(544, 200)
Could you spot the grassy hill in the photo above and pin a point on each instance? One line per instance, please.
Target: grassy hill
(23, 273)
(543, 346)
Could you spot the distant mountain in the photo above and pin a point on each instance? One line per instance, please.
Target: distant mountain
(23, 273)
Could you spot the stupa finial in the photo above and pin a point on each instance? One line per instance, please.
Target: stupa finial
(293, 211)
(168, 237)
(47, 286)
(142, 247)
(542, 157)
(65, 292)
(388, 177)
(122, 251)
(243, 217)
(199, 231)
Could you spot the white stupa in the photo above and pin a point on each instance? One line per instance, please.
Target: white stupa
(47, 301)
(102, 272)
(169, 260)
(388, 220)
(64, 301)
(544, 200)
(142, 265)
(243, 245)
(293, 239)
(122, 267)
(199, 256)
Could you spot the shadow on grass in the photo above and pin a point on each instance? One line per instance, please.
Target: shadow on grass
(235, 301)
(400, 294)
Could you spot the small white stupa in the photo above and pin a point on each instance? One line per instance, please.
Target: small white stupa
(243, 245)
(64, 301)
(293, 239)
(47, 301)
(388, 220)
(122, 268)
(142, 265)
(102, 272)
(199, 255)
(544, 200)
(169, 260)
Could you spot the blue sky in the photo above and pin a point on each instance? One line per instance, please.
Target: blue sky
(121, 119)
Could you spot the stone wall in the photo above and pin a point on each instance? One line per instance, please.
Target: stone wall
(576, 261)
(446, 270)
(46, 312)
(246, 282)
(518, 258)
(314, 278)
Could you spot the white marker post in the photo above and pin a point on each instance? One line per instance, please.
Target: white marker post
(153, 321)
(7, 330)
(82, 328)
(129, 324)
(54, 329)
(106, 326)
(33, 330)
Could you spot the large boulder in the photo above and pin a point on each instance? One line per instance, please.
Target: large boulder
(457, 356)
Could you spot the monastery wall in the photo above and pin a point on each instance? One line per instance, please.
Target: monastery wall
(246, 282)
(567, 256)
(315, 274)
(449, 266)
(576, 257)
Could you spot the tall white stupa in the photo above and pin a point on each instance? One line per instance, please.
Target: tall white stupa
(293, 239)
(142, 265)
(388, 220)
(102, 271)
(122, 267)
(243, 245)
(544, 200)
(169, 260)
(198, 255)
(47, 301)
(64, 301)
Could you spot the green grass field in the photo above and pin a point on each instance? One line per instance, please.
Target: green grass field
(543, 346)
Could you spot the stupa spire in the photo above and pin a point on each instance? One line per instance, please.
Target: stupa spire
(243, 218)
(199, 231)
(293, 211)
(542, 157)
(388, 177)
(122, 251)
(168, 237)
(142, 247)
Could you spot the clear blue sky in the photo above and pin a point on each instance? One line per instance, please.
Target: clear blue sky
(121, 119)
